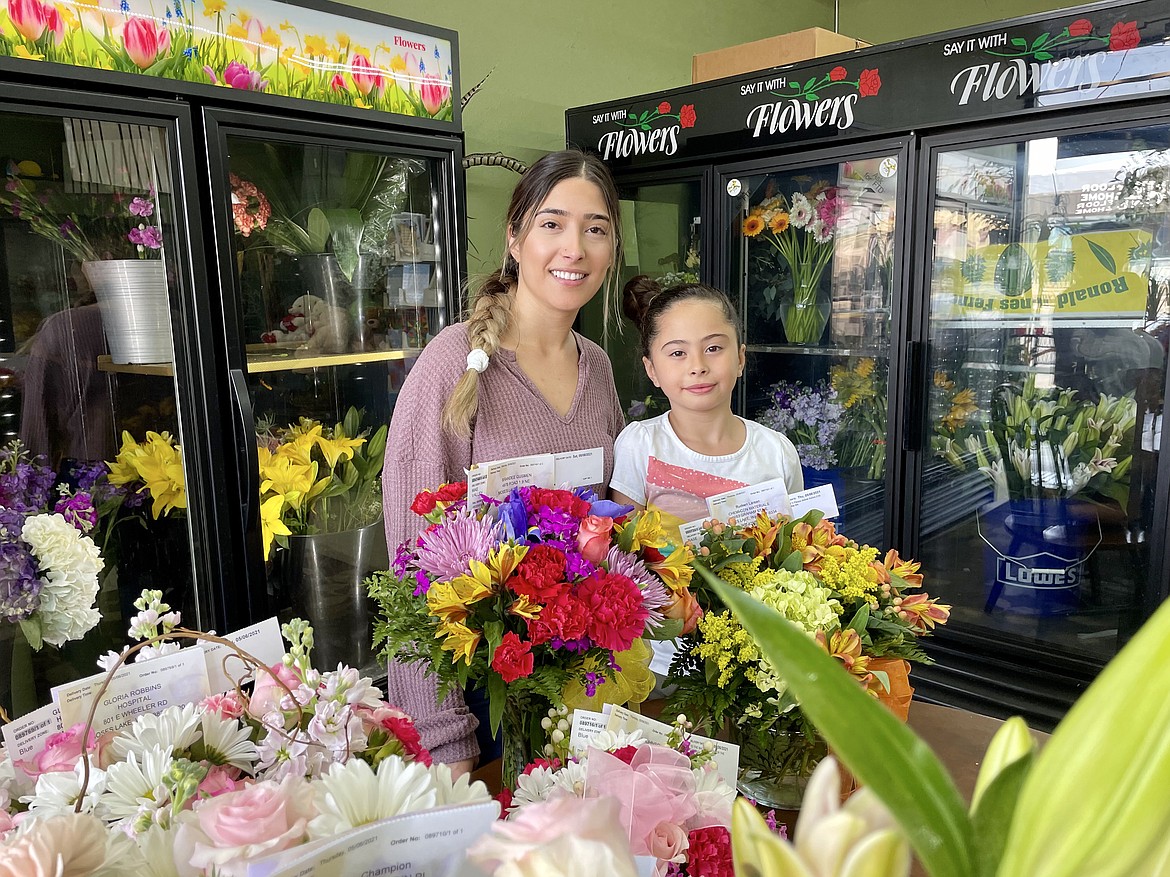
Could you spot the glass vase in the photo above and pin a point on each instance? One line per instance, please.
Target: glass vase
(517, 739)
(804, 311)
(776, 760)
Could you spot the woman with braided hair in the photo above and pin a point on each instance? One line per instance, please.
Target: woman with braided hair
(514, 379)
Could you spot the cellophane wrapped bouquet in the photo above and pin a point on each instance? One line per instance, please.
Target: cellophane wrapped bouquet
(203, 788)
(541, 598)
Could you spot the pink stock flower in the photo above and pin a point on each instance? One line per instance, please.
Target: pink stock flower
(29, 17)
(365, 75)
(227, 706)
(434, 93)
(6, 823)
(145, 40)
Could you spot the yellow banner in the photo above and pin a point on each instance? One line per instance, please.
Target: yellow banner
(1095, 274)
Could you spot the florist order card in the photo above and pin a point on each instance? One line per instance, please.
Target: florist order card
(569, 469)
(262, 641)
(745, 503)
(26, 735)
(142, 687)
(726, 755)
(413, 845)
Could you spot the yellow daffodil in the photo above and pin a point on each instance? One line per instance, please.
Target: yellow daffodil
(397, 63)
(236, 31)
(271, 37)
(213, 7)
(460, 640)
(316, 45)
(271, 522)
(343, 39)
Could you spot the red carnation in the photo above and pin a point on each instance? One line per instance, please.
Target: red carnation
(424, 503)
(869, 84)
(837, 74)
(709, 852)
(560, 500)
(1124, 35)
(513, 658)
(1081, 27)
(504, 797)
(686, 116)
(626, 753)
(664, 108)
(563, 617)
(541, 575)
(407, 734)
(451, 492)
(614, 608)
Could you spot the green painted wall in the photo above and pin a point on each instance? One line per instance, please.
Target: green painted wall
(548, 56)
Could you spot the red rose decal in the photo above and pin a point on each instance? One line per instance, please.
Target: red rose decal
(686, 116)
(869, 84)
(1081, 27)
(837, 74)
(664, 108)
(1124, 35)
(513, 658)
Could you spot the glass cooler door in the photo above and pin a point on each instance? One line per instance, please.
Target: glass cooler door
(341, 269)
(812, 259)
(1047, 332)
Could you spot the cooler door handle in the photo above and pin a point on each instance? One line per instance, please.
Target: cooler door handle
(245, 424)
(914, 392)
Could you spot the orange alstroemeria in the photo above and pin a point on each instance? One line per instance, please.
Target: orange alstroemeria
(845, 646)
(907, 570)
(922, 611)
(764, 531)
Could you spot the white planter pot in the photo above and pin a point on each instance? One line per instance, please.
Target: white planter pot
(136, 311)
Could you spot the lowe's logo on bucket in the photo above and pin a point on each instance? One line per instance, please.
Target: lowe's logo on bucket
(1020, 576)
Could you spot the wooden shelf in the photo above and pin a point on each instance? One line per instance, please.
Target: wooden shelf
(161, 369)
(289, 360)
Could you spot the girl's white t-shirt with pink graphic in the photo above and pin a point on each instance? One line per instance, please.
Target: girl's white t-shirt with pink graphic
(655, 469)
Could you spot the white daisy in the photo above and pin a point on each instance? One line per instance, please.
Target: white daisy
(351, 794)
(135, 787)
(611, 741)
(57, 792)
(533, 787)
(174, 729)
(460, 791)
(226, 741)
(820, 232)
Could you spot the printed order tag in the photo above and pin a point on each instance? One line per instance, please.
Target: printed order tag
(795, 505)
(262, 641)
(145, 687)
(26, 736)
(820, 498)
(566, 470)
(744, 503)
(587, 724)
(726, 757)
(425, 844)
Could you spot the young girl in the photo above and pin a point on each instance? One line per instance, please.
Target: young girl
(512, 380)
(692, 351)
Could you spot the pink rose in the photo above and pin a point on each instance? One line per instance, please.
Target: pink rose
(6, 823)
(144, 41)
(593, 538)
(668, 841)
(685, 608)
(222, 833)
(434, 92)
(220, 780)
(62, 751)
(227, 706)
(268, 693)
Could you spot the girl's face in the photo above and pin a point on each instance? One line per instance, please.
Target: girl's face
(694, 357)
(567, 249)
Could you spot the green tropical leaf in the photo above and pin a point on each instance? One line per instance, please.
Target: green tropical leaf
(1103, 255)
(992, 819)
(881, 751)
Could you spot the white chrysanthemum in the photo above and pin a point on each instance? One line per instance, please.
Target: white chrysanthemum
(226, 741)
(460, 791)
(57, 792)
(69, 564)
(611, 741)
(174, 729)
(136, 785)
(352, 794)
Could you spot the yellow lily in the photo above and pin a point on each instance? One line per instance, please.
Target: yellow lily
(525, 608)
(502, 562)
(460, 639)
(675, 569)
(447, 602)
(338, 448)
(648, 531)
(271, 522)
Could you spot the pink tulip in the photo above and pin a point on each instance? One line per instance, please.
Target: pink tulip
(366, 76)
(56, 24)
(29, 17)
(144, 41)
(434, 93)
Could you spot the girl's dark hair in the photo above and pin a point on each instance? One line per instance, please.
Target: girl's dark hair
(487, 321)
(644, 302)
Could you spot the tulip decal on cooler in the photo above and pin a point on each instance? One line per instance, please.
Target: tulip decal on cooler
(32, 18)
(145, 41)
(366, 77)
(434, 93)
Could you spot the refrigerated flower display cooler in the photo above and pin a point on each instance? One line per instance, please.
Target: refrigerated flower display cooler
(952, 260)
(226, 232)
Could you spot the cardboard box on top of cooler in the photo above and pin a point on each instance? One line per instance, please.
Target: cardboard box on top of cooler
(786, 48)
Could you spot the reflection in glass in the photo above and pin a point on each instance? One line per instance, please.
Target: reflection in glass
(1049, 326)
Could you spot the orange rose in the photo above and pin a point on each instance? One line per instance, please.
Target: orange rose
(685, 608)
(593, 538)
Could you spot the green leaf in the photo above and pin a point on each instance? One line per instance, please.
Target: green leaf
(793, 562)
(318, 230)
(1016, 41)
(1103, 255)
(671, 628)
(31, 628)
(992, 819)
(811, 95)
(493, 633)
(1043, 56)
(497, 694)
(1039, 41)
(882, 752)
(345, 227)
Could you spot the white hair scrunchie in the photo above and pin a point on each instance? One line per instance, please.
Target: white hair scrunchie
(477, 359)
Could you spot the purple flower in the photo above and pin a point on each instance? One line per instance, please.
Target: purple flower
(141, 207)
(78, 510)
(87, 475)
(592, 680)
(451, 545)
(238, 75)
(637, 409)
(146, 236)
(19, 586)
(513, 514)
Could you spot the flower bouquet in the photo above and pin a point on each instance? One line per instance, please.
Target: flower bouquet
(669, 803)
(801, 230)
(861, 439)
(858, 608)
(541, 598)
(809, 416)
(201, 789)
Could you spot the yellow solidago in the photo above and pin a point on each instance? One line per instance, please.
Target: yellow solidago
(852, 573)
(741, 575)
(726, 644)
